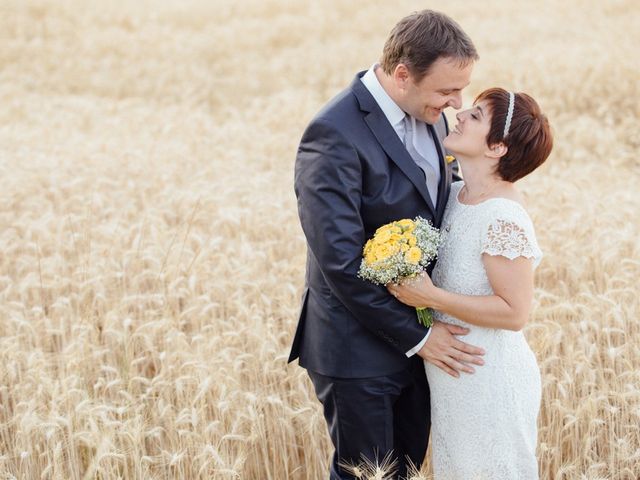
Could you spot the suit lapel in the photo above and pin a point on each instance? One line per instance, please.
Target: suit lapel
(395, 149)
(389, 140)
(445, 174)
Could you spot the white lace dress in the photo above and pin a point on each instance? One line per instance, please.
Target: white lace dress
(484, 424)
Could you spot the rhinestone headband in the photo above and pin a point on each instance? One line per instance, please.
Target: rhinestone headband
(507, 123)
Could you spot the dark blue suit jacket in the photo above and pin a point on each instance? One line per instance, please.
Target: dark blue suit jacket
(352, 175)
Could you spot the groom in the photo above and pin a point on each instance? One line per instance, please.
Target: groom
(373, 155)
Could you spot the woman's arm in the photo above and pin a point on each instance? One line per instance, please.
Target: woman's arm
(508, 308)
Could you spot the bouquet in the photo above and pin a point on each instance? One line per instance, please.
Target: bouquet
(400, 250)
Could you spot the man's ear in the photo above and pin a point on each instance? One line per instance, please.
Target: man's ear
(497, 150)
(401, 75)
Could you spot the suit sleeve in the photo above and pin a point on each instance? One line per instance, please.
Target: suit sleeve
(328, 186)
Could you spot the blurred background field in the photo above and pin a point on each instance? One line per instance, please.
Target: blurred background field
(151, 259)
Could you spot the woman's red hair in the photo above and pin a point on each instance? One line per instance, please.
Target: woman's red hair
(529, 141)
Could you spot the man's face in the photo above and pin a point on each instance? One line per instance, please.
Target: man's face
(440, 88)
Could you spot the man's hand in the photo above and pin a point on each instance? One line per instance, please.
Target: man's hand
(445, 351)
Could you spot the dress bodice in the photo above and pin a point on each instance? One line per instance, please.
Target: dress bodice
(497, 226)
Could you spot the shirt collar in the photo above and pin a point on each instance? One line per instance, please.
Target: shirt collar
(391, 110)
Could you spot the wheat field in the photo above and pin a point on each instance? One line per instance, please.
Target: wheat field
(151, 260)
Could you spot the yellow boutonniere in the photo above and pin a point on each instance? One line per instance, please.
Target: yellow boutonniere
(449, 158)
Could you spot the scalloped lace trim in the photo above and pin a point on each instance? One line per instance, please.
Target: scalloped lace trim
(508, 239)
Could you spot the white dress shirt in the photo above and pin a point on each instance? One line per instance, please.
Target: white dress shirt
(425, 144)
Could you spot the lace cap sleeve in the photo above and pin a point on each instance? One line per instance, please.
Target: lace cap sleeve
(511, 236)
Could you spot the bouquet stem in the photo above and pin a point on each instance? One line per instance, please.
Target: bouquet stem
(425, 316)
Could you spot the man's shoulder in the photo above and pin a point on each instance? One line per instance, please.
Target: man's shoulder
(340, 109)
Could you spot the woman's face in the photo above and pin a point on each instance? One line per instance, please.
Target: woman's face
(469, 137)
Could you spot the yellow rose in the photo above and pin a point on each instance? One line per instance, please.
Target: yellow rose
(404, 247)
(411, 239)
(383, 237)
(384, 228)
(395, 237)
(377, 251)
(413, 255)
(393, 248)
(407, 225)
(449, 158)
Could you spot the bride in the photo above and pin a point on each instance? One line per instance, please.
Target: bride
(484, 425)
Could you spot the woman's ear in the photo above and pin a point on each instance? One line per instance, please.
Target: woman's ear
(497, 150)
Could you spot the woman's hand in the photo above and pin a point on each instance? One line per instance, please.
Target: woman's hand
(416, 292)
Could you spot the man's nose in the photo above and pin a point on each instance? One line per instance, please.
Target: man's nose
(456, 100)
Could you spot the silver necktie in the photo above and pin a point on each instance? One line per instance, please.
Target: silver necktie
(410, 143)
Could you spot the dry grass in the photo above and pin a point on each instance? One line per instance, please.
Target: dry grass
(151, 259)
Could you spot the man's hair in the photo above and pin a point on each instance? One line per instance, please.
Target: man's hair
(421, 38)
(529, 141)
